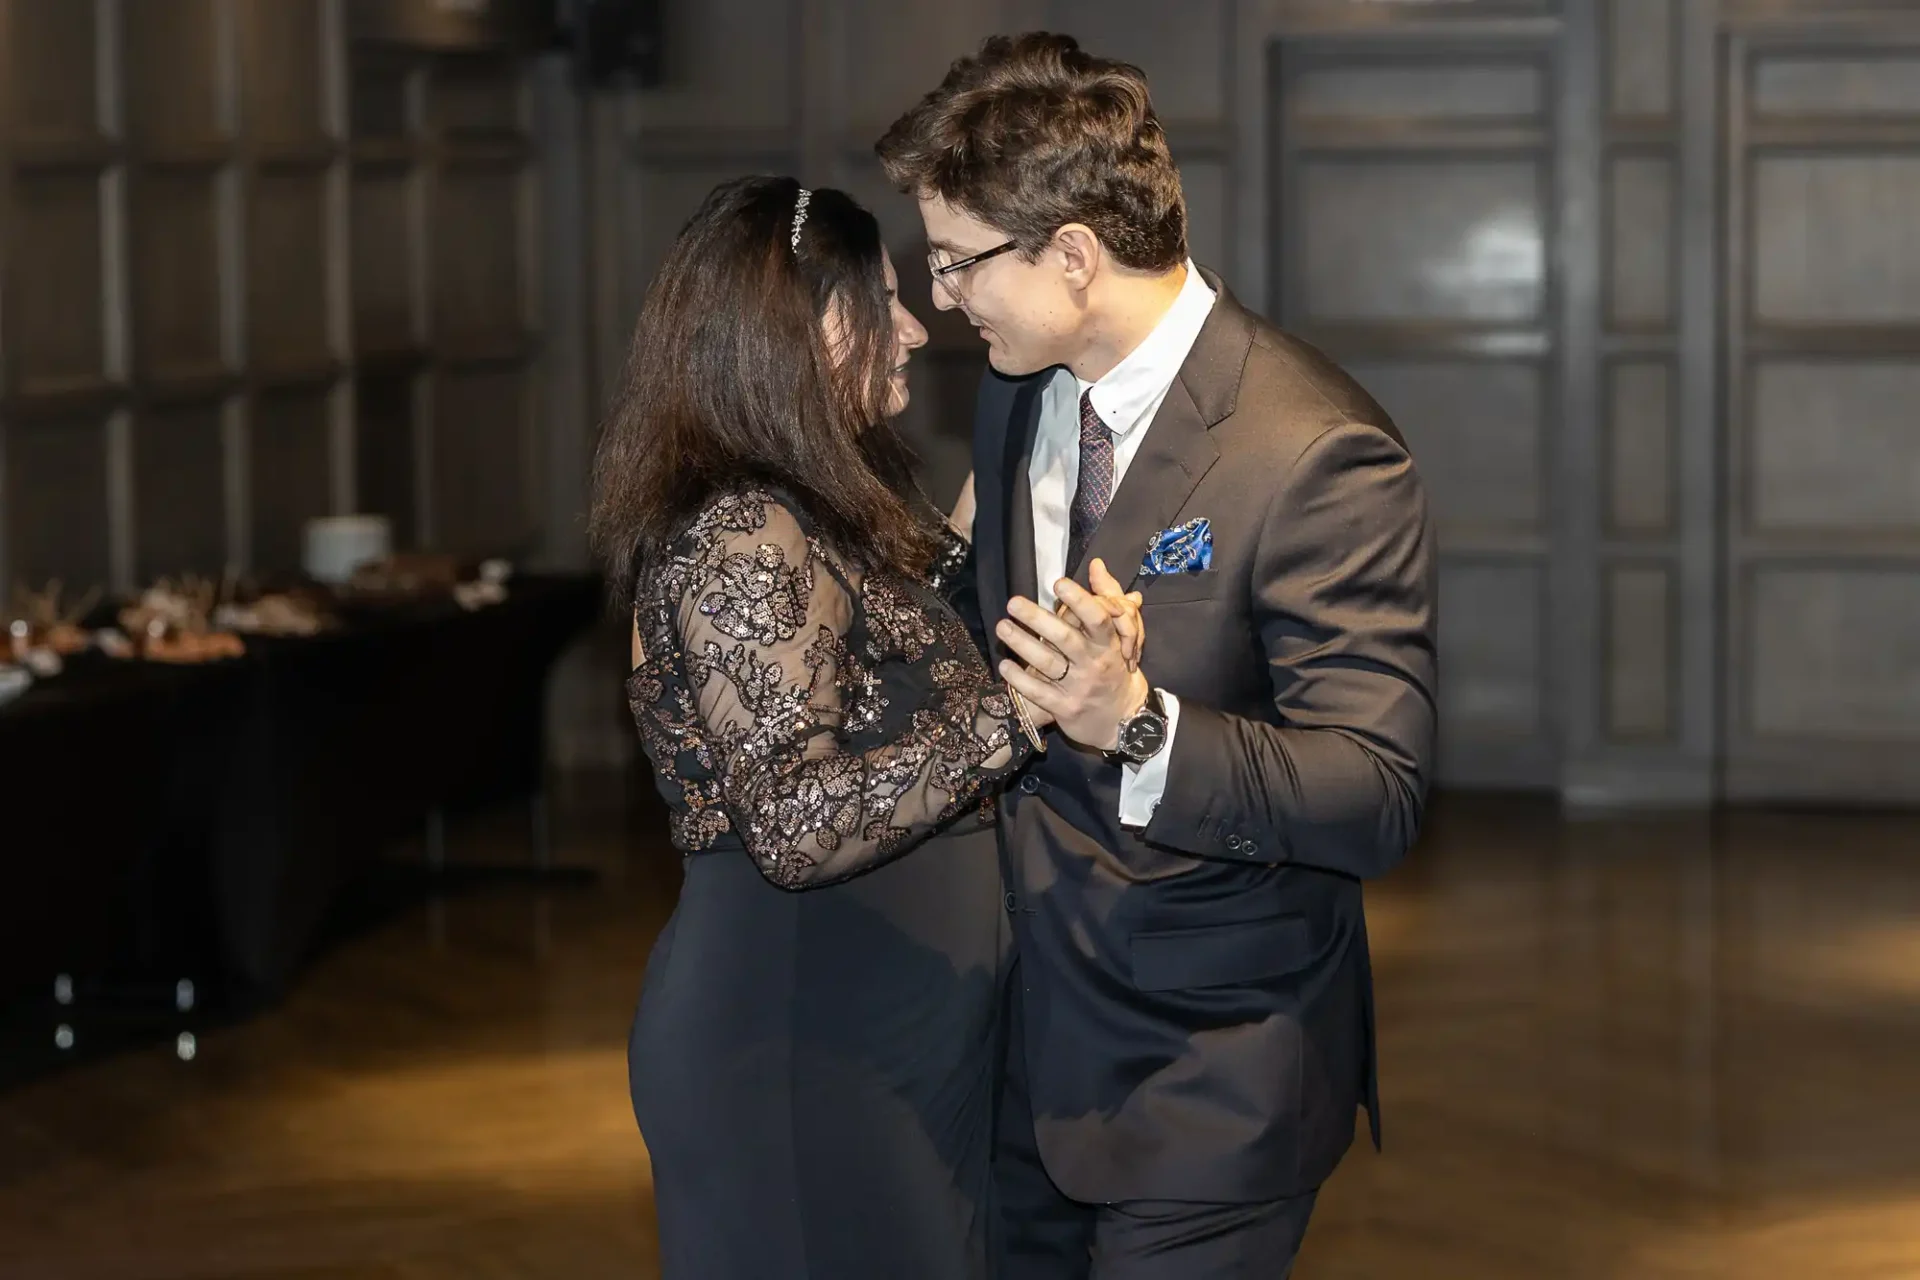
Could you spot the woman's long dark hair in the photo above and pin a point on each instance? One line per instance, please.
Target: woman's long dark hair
(730, 380)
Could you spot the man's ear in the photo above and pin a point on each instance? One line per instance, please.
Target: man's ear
(1081, 252)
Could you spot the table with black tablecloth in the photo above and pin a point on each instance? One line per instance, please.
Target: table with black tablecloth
(110, 775)
(210, 816)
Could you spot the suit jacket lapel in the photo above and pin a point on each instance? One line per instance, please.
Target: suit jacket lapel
(1177, 452)
(990, 512)
(1179, 447)
(1003, 518)
(1023, 572)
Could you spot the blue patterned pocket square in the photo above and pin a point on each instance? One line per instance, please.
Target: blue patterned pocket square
(1186, 548)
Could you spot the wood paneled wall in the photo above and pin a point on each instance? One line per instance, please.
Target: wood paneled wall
(1820, 330)
(1639, 279)
(252, 276)
(1416, 220)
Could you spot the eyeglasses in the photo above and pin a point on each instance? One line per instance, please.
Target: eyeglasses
(947, 275)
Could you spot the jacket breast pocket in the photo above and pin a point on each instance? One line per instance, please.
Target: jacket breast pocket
(1174, 588)
(1222, 955)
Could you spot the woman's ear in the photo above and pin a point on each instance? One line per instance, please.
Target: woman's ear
(834, 331)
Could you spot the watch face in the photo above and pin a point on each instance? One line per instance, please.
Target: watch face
(1143, 737)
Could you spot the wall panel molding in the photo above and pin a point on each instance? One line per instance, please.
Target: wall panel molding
(1415, 230)
(178, 194)
(1822, 350)
(1594, 511)
(1642, 492)
(1640, 652)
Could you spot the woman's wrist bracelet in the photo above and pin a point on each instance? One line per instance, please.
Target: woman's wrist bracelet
(1025, 717)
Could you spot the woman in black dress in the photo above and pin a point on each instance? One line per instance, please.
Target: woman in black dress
(812, 1062)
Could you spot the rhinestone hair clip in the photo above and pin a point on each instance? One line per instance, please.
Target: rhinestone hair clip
(800, 216)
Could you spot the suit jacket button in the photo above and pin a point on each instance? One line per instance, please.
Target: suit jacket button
(1030, 785)
(1012, 905)
(1233, 842)
(1249, 848)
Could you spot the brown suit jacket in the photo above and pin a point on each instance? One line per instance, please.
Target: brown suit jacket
(1195, 1015)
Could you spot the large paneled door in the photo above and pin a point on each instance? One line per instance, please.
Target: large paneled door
(1822, 442)
(1413, 234)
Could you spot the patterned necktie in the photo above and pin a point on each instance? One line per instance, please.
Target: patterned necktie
(1095, 490)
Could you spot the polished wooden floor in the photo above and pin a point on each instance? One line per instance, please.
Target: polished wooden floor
(1653, 1049)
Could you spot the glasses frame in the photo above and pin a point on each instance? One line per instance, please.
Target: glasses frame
(943, 274)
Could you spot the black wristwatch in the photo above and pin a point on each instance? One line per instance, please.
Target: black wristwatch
(1143, 735)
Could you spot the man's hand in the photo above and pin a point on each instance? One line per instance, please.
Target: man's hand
(1078, 672)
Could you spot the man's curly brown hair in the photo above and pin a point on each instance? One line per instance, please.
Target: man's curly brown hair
(1033, 133)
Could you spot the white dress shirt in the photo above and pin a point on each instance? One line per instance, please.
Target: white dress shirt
(1126, 399)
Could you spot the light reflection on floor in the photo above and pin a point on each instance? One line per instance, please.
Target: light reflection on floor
(1663, 1048)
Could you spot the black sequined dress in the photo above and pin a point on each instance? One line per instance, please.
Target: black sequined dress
(812, 1061)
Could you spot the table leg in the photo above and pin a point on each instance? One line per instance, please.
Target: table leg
(542, 831)
(437, 840)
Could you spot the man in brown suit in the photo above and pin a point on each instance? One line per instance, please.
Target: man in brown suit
(1191, 1015)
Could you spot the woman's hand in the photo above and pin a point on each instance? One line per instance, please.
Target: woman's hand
(1124, 608)
(962, 517)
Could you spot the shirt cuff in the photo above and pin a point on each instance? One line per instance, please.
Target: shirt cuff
(1142, 785)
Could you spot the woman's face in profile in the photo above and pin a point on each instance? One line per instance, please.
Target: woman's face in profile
(908, 336)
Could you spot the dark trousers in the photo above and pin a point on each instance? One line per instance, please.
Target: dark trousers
(1041, 1234)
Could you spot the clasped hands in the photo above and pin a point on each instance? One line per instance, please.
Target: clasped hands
(1079, 666)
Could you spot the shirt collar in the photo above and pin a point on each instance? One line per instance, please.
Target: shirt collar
(1132, 387)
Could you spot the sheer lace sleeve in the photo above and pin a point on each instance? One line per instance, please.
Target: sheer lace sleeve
(956, 577)
(782, 693)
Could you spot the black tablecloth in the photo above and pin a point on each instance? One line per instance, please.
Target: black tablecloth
(208, 817)
(110, 775)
